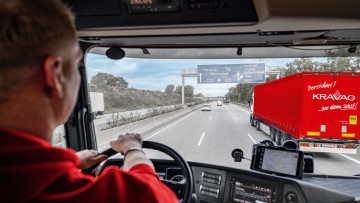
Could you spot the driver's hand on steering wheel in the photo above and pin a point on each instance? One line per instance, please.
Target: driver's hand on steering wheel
(130, 145)
(89, 157)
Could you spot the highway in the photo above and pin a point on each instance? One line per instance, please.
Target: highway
(210, 137)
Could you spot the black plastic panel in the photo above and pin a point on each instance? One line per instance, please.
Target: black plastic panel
(115, 13)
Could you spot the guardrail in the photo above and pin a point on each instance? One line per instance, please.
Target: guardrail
(143, 127)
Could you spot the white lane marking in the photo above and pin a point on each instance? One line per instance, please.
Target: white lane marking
(242, 109)
(210, 118)
(167, 127)
(350, 158)
(252, 138)
(235, 118)
(199, 143)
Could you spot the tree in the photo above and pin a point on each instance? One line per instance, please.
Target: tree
(198, 95)
(303, 64)
(332, 64)
(169, 89)
(188, 90)
(101, 80)
(271, 78)
(240, 93)
(341, 64)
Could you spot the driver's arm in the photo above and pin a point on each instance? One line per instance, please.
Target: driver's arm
(138, 184)
(127, 145)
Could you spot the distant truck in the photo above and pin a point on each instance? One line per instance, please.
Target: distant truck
(97, 103)
(218, 103)
(315, 112)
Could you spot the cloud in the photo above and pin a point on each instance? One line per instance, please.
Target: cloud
(99, 63)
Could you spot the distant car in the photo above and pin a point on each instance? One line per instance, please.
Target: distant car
(226, 101)
(219, 103)
(206, 107)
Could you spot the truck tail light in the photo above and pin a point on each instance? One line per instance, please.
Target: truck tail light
(350, 146)
(348, 134)
(313, 133)
(304, 144)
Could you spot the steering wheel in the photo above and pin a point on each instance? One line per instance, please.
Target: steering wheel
(183, 187)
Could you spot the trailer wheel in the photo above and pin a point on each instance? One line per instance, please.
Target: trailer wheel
(278, 137)
(252, 121)
(272, 134)
(258, 125)
(283, 138)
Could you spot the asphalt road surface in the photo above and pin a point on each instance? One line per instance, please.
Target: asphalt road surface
(210, 137)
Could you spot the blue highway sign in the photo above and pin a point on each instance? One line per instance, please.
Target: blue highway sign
(231, 73)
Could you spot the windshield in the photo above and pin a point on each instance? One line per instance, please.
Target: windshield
(163, 100)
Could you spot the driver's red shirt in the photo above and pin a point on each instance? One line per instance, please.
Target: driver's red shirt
(31, 170)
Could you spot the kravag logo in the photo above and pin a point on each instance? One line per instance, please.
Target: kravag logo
(337, 96)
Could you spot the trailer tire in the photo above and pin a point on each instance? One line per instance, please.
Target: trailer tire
(272, 134)
(278, 137)
(284, 137)
(258, 125)
(252, 121)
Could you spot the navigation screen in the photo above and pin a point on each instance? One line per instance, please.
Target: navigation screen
(280, 161)
(250, 192)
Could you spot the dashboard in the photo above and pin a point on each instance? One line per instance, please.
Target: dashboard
(217, 184)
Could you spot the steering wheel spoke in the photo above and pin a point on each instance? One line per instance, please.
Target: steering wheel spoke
(177, 187)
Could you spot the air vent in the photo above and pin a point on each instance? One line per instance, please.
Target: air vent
(211, 178)
(209, 191)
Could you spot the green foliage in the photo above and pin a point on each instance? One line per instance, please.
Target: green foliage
(270, 78)
(103, 80)
(241, 93)
(188, 90)
(170, 89)
(118, 97)
(198, 95)
(332, 64)
(125, 99)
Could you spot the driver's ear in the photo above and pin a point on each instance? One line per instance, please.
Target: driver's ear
(54, 77)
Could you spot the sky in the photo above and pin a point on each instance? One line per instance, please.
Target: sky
(156, 74)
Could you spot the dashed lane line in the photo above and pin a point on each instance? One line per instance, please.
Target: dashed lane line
(252, 138)
(199, 143)
(350, 158)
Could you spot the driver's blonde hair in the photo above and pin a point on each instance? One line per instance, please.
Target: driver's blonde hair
(29, 31)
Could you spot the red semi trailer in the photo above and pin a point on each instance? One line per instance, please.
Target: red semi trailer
(313, 111)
